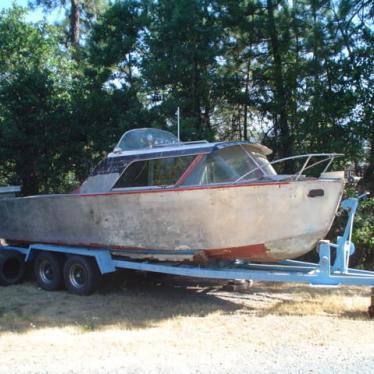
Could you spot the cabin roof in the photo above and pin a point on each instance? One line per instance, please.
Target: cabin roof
(190, 148)
(153, 140)
(117, 161)
(147, 143)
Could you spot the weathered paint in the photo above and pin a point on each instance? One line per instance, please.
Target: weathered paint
(272, 221)
(248, 252)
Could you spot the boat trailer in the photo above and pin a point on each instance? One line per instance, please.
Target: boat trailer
(86, 264)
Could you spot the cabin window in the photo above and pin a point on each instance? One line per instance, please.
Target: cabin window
(157, 172)
(264, 163)
(145, 138)
(229, 164)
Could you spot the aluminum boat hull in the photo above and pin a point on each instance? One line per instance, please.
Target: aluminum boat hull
(259, 222)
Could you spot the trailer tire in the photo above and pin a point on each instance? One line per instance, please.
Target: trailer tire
(81, 275)
(12, 268)
(48, 271)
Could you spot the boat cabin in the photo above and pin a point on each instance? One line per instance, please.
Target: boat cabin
(152, 158)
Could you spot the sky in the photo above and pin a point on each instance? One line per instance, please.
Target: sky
(35, 15)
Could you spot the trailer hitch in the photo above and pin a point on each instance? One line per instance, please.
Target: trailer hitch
(344, 246)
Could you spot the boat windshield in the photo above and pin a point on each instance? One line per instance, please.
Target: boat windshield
(145, 138)
(228, 165)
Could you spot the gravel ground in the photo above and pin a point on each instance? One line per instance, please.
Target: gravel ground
(168, 326)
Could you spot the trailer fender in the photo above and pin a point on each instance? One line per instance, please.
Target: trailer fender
(102, 257)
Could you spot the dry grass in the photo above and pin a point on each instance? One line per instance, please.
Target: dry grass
(351, 302)
(148, 324)
(335, 305)
(135, 302)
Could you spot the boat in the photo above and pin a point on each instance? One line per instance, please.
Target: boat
(156, 197)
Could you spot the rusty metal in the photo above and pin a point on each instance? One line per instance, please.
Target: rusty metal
(239, 285)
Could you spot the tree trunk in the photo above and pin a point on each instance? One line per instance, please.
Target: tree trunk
(30, 183)
(286, 146)
(196, 110)
(207, 120)
(74, 22)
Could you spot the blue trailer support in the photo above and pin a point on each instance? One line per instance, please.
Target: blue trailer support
(103, 257)
(323, 273)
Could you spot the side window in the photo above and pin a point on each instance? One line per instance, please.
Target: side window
(239, 162)
(136, 175)
(158, 172)
(265, 164)
(212, 169)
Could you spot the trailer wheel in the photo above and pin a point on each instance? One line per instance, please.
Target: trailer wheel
(81, 275)
(48, 271)
(12, 268)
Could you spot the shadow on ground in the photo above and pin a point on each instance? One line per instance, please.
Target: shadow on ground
(131, 299)
(134, 300)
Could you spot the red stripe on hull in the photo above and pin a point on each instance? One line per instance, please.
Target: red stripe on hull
(179, 189)
(255, 252)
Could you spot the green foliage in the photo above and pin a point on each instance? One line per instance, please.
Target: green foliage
(363, 235)
(180, 65)
(80, 15)
(115, 36)
(35, 104)
(363, 231)
(113, 75)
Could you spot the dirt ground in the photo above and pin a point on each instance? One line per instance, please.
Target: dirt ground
(163, 324)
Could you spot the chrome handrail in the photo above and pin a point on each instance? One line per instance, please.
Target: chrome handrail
(328, 157)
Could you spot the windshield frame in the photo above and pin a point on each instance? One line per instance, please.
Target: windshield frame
(266, 171)
(193, 162)
(193, 166)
